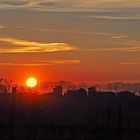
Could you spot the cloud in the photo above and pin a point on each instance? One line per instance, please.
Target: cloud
(23, 64)
(84, 5)
(119, 37)
(1, 27)
(130, 63)
(115, 49)
(127, 46)
(13, 3)
(111, 35)
(69, 5)
(29, 46)
(115, 17)
(62, 61)
(43, 63)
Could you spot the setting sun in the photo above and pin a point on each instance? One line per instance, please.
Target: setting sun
(31, 82)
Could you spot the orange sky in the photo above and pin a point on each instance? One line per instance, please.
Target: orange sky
(72, 40)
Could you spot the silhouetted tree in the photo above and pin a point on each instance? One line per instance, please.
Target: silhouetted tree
(58, 90)
(76, 93)
(5, 85)
(92, 91)
(69, 93)
(66, 85)
(107, 95)
(12, 115)
(126, 93)
(82, 92)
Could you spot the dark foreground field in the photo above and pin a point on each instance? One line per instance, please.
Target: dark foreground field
(32, 117)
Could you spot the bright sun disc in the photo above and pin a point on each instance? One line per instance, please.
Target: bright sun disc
(31, 82)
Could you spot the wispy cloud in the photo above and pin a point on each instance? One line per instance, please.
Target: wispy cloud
(23, 64)
(43, 63)
(115, 17)
(67, 4)
(33, 46)
(127, 46)
(13, 2)
(130, 63)
(61, 61)
(1, 27)
(89, 33)
(115, 49)
(119, 36)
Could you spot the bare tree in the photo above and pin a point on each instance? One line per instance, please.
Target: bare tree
(5, 85)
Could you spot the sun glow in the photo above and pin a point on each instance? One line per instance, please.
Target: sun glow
(31, 82)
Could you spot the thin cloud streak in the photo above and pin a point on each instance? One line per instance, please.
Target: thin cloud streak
(119, 49)
(111, 35)
(129, 46)
(130, 63)
(23, 64)
(42, 63)
(1, 27)
(60, 61)
(29, 46)
(116, 17)
(119, 37)
(65, 5)
(24, 46)
(65, 61)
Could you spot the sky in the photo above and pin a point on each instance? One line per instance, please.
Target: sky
(74, 40)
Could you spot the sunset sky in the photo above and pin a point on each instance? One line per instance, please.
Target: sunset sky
(74, 40)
